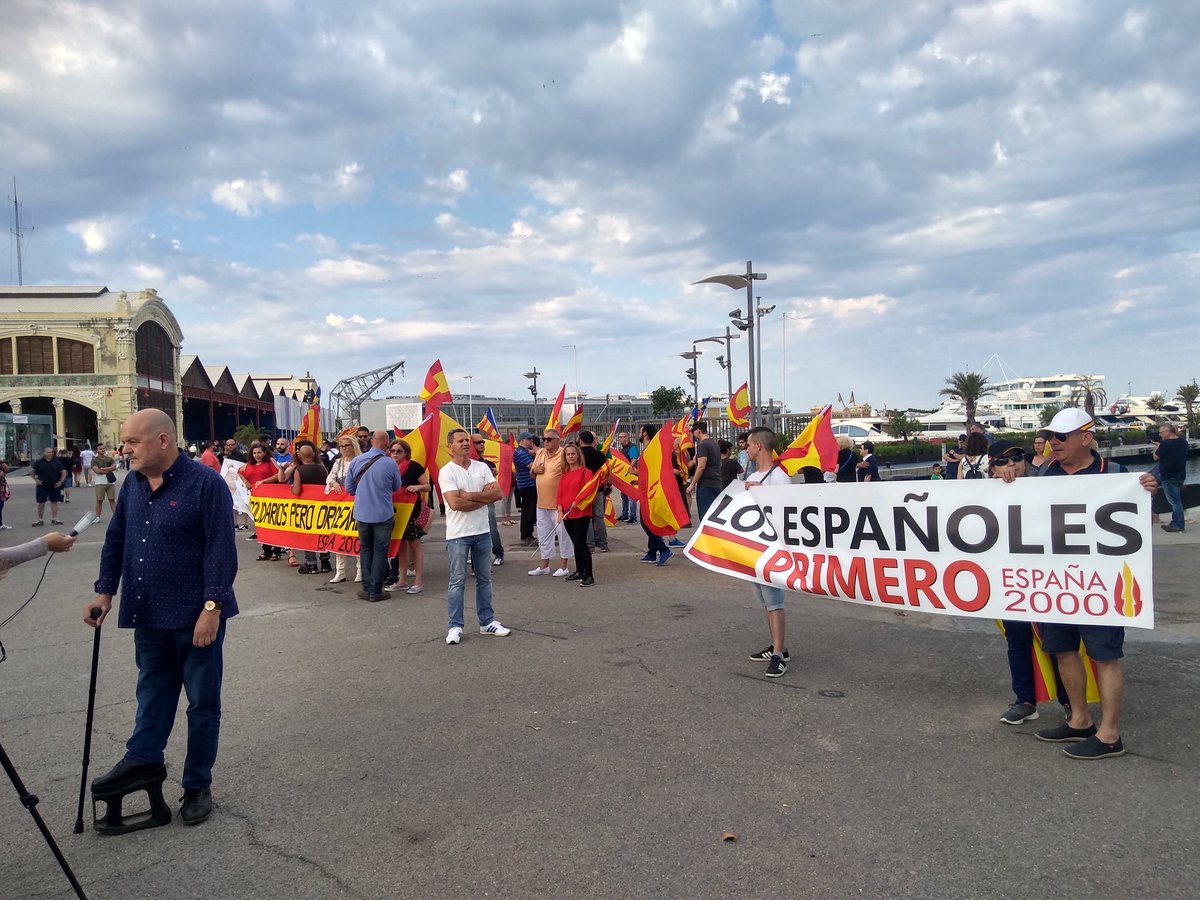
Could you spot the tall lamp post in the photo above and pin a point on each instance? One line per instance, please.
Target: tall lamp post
(575, 357)
(533, 390)
(726, 361)
(717, 339)
(470, 399)
(759, 312)
(783, 320)
(738, 282)
(692, 374)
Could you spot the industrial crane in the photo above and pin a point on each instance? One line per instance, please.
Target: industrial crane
(349, 393)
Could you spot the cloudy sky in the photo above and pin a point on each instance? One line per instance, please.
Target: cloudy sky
(335, 186)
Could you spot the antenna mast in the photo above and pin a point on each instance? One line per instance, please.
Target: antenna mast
(18, 232)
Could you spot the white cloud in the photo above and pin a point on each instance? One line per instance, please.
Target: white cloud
(95, 233)
(346, 271)
(247, 197)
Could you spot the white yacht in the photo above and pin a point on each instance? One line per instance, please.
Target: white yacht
(1020, 401)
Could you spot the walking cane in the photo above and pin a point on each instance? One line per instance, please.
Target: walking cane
(87, 735)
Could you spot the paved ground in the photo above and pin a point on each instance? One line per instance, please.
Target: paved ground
(602, 750)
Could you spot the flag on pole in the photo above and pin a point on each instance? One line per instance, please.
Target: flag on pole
(610, 511)
(436, 389)
(739, 406)
(815, 446)
(663, 509)
(587, 494)
(555, 420)
(608, 440)
(310, 425)
(624, 475)
(500, 455)
(487, 426)
(575, 423)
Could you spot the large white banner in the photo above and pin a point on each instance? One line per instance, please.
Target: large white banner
(1073, 549)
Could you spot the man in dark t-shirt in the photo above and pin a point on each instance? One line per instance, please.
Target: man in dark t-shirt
(50, 473)
(706, 471)
(1172, 454)
(309, 471)
(594, 459)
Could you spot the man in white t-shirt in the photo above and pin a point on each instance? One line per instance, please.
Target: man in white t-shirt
(468, 486)
(760, 446)
(86, 455)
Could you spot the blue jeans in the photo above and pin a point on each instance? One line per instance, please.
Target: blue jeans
(654, 544)
(373, 540)
(166, 662)
(704, 499)
(479, 546)
(628, 509)
(597, 528)
(1173, 489)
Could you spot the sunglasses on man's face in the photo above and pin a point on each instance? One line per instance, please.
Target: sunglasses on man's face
(549, 438)
(1060, 436)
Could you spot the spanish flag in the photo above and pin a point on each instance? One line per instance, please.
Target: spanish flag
(663, 509)
(428, 442)
(310, 425)
(555, 420)
(816, 446)
(575, 423)
(436, 390)
(587, 494)
(624, 475)
(500, 455)
(1045, 685)
(739, 406)
(610, 511)
(611, 434)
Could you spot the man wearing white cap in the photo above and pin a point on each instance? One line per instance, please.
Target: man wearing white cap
(1071, 435)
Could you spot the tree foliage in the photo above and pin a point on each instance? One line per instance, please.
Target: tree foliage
(1189, 396)
(968, 388)
(1049, 411)
(903, 426)
(1088, 391)
(665, 401)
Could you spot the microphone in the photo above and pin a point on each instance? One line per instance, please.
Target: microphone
(89, 519)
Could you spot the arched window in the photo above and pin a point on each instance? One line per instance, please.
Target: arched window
(76, 357)
(154, 363)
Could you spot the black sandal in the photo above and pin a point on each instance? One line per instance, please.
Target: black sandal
(264, 557)
(306, 569)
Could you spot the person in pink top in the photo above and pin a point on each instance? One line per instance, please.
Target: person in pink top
(209, 456)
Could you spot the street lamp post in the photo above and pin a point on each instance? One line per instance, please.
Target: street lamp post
(783, 320)
(759, 312)
(737, 282)
(470, 399)
(575, 357)
(717, 339)
(692, 374)
(533, 390)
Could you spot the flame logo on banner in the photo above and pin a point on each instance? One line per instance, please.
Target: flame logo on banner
(1127, 594)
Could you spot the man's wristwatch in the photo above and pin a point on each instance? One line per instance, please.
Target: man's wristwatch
(213, 606)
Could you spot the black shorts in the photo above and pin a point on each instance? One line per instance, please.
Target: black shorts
(53, 494)
(1103, 642)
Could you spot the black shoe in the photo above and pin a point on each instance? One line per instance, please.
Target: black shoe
(125, 774)
(197, 806)
(765, 654)
(1171, 529)
(326, 567)
(1065, 734)
(587, 582)
(375, 598)
(1094, 748)
(307, 569)
(776, 667)
(574, 576)
(1019, 712)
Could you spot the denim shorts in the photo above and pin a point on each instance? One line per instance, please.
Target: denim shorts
(769, 596)
(1103, 642)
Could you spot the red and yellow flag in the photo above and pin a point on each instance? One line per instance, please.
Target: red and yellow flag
(739, 406)
(663, 509)
(428, 442)
(500, 455)
(624, 475)
(575, 423)
(555, 420)
(487, 426)
(815, 446)
(610, 511)
(310, 425)
(608, 440)
(587, 494)
(436, 389)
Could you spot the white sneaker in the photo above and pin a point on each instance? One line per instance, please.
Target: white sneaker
(454, 636)
(337, 579)
(9, 527)
(539, 571)
(495, 629)
(395, 587)
(498, 561)
(411, 571)
(561, 573)
(358, 578)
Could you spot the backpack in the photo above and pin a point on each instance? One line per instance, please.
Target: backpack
(972, 469)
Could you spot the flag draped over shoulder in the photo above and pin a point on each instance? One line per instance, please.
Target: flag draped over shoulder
(436, 389)
(815, 446)
(587, 494)
(623, 474)
(310, 425)
(487, 426)
(575, 423)
(611, 434)
(663, 509)
(555, 420)
(739, 406)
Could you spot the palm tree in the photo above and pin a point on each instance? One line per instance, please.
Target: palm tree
(1088, 391)
(1188, 394)
(967, 387)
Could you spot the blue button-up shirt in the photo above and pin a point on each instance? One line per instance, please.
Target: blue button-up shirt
(173, 548)
(373, 491)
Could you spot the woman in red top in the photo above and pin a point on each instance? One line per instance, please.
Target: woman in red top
(575, 475)
(258, 469)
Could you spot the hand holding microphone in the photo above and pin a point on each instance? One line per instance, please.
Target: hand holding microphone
(61, 543)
